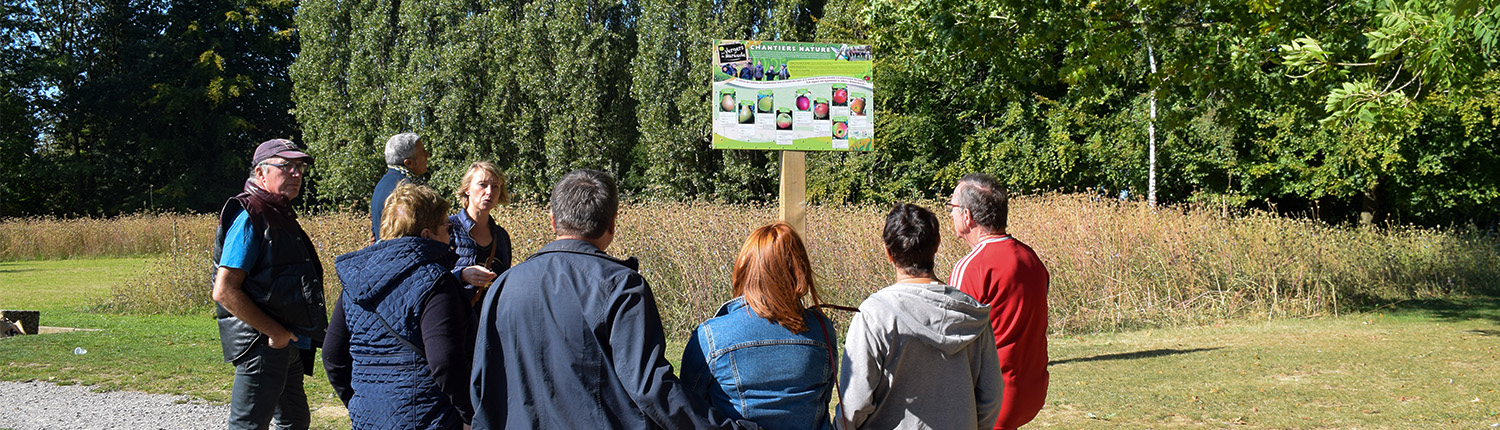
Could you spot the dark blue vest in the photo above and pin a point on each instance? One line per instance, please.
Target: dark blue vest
(393, 387)
(286, 281)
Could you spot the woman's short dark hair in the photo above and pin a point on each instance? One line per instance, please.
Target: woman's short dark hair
(584, 203)
(986, 200)
(912, 237)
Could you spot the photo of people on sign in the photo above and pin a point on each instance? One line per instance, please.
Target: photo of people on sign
(793, 96)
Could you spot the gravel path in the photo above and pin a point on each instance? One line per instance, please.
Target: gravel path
(41, 405)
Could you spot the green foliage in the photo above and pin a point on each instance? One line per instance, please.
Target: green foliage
(1451, 168)
(1395, 59)
(1304, 54)
(1416, 48)
(540, 87)
(1257, 103)
(137, 104)
(1336, 109)
(672, 55)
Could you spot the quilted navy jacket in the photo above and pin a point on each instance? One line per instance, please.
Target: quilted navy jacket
(390, 380)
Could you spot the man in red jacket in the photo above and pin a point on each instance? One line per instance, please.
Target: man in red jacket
(1005, 274)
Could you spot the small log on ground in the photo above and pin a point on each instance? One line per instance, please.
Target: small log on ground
(28, 320)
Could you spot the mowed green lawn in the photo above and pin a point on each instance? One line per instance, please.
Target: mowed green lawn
(1433, 364)
(171, 354)
(1418, 365)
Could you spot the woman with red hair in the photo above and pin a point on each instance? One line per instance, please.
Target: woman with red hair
(767, 356)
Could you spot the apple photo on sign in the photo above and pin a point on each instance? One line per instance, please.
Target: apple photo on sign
(841, 128)
(784, 119)
(840, 95)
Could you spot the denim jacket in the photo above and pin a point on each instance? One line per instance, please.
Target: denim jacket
(752, 368)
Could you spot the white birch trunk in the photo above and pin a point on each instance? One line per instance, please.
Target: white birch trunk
(1151, 134)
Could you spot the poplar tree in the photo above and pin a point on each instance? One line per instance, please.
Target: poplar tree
(541, 87)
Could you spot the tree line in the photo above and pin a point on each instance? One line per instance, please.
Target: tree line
(1352, 111)
(113, 106)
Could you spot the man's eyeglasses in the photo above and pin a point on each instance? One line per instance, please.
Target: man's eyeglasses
(292, 167)
(952, 206)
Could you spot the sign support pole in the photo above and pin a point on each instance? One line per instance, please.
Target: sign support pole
(794, 190)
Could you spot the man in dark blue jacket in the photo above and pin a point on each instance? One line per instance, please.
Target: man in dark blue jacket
(571, 338)
(406, 161)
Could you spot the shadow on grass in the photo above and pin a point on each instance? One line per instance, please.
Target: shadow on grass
(1131, 355)
(1484, 332)
(1451, 310)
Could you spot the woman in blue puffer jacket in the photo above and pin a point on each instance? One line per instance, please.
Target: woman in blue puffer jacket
(766, 357)
(401, 340)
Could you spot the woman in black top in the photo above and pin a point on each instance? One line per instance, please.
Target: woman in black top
(483, 247)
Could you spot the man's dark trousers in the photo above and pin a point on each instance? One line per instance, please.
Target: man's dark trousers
(267, 383)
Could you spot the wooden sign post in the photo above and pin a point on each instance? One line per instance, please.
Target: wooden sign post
(794, 190)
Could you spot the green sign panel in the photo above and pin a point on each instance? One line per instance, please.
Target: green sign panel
(792, 96)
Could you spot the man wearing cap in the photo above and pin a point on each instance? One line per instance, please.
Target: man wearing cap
(406, 161)
(269, 287)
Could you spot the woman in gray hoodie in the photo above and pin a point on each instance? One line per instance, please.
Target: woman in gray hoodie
(920, 354)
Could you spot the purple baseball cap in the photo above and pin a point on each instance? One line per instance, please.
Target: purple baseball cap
(279, 148)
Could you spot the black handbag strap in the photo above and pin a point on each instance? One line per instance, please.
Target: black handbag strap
(392, 331)
(836, 307)
(403, 340)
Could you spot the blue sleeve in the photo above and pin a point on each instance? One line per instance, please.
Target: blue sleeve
(695, 374)
(636, 342)
(453, 244)
(241, 250)
(377, 205)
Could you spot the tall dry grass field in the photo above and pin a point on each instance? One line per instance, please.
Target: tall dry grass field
(1114, 265)
(181, 281)
(51, 238)
(1121, 265)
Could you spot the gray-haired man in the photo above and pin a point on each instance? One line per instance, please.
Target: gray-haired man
(406, 160)
(269, 287)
